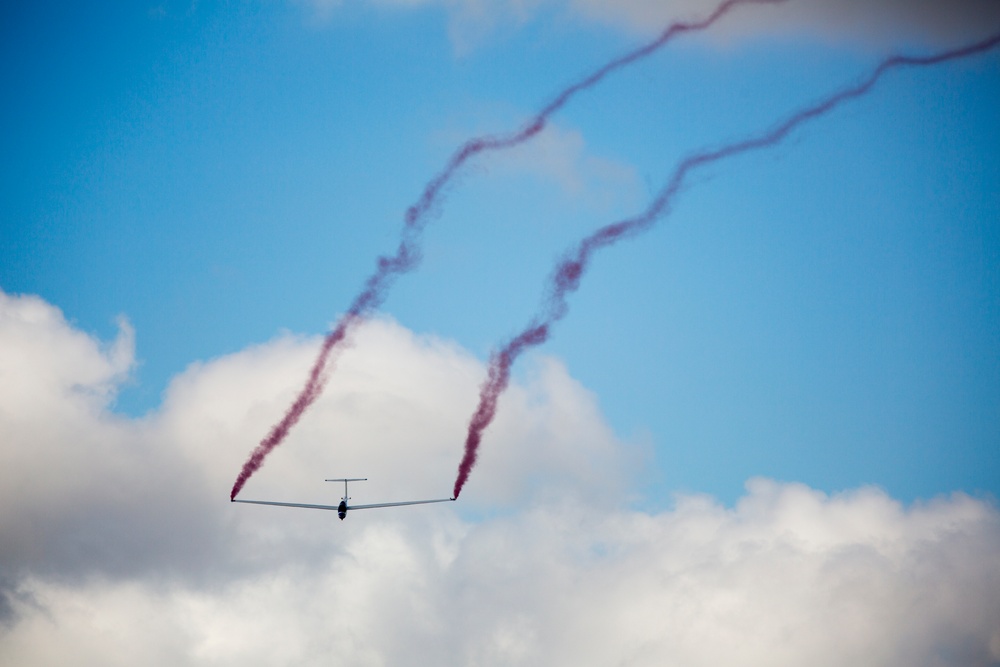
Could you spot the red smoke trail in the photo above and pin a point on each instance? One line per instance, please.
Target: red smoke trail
(408, 253)
(570, 270)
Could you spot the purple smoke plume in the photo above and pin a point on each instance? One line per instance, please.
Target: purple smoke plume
(408, 253)
(570, 270)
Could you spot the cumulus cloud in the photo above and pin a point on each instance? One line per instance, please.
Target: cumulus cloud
(117, 545)
(87, 492)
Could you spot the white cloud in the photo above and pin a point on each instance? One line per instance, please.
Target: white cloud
(561, 156)
(870, 21)
(31, 329)
(470, 22)
(474, 21)
(882, 22)
(120, 549)
(559, 159)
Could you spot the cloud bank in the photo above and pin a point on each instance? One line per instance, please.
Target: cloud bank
(871, 22)
(117, 545)
(935, 22)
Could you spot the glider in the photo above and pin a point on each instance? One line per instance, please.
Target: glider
(343, 508)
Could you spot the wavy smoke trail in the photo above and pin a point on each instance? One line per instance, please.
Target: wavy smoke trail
(570, 270)
(417, 216)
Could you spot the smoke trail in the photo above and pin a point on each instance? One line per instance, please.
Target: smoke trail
(570, 270)
(408, 253)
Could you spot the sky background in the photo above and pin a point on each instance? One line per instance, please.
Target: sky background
(793, 381)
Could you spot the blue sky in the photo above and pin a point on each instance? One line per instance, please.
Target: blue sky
(786, 396)
(827, 311)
